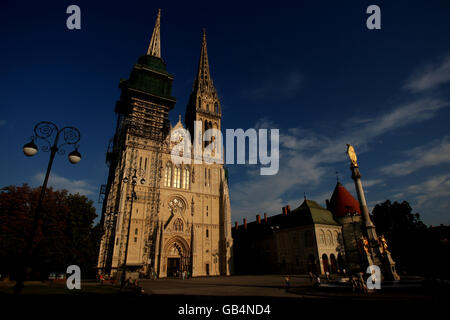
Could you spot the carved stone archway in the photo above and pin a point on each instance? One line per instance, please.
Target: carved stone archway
(176, 255)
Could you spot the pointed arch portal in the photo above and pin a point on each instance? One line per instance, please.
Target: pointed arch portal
(177, 253)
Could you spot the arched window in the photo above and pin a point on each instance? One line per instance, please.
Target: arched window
(325, 263)
(207, 233)
(136, 231)
(216, 107)
(205, 143)
(199, 102)
(177, 177)
(322, 237)
(168, 175)
(178, 225)
(186, 177)
(329, 238)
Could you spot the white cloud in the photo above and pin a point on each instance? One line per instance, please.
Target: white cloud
(431, 189)
(431, 154)
(307, 157)
(431, 76)
(73, 186)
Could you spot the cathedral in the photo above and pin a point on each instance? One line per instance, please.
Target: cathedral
(161, 217)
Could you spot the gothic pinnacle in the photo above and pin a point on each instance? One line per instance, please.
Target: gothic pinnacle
(203, 65)
(154, 49)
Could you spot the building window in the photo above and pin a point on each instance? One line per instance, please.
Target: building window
(329, 238)
(186, 177)
(135, 239)
(177, 177)
(322, 237)
(178, 225)
(206, 210)
(168, 175)
(136, 231)
(216, 107)
(207, 233)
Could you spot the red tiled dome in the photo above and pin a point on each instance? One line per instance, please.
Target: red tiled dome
(342, 202)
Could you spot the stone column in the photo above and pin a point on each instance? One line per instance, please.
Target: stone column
(374, 255)
(369, 226)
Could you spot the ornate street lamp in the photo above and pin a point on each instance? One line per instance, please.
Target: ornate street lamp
(44, 131)
(134, 178)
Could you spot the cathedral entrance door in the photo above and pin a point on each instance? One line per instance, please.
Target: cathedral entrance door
(173, 265)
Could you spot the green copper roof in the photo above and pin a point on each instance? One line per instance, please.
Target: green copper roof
(149, 75)
(316, 213)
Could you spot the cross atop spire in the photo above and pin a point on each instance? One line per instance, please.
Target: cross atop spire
(154, 49)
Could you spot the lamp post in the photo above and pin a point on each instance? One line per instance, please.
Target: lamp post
(44, 131)
(134, 178)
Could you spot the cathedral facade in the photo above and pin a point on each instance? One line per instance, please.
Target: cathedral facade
(178, 217)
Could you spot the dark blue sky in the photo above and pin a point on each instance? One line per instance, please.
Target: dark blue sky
(312, 69)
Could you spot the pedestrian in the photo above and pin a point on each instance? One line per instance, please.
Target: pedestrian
(327, 275)
(311, 276)
(362, 284)
(317, 280)
(101, 279)
(353, 283)
(188, 274)
(287, 280)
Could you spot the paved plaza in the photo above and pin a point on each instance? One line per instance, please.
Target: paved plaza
(269, 285)
(170, 294)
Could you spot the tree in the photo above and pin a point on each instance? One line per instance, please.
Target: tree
(66, 234)
(415, 247)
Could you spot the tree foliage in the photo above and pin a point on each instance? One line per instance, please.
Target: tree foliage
(66, 236)
(416, 248)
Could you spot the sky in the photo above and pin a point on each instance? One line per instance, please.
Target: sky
(309, 68)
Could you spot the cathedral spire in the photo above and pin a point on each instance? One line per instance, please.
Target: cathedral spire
(154, 49)
(203, 75)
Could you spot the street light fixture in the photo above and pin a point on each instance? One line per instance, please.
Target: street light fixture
(44, 131)
(134, 178)
(74, 156)
(30, 149)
